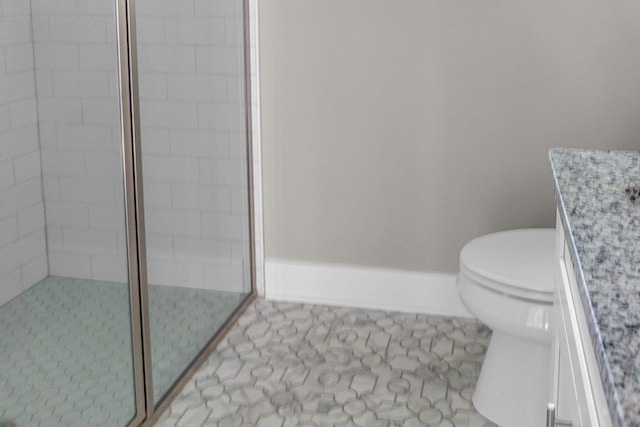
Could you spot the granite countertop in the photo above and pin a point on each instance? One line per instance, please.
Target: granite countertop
(603, 226)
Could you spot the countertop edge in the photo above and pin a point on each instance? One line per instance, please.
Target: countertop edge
(613, 401)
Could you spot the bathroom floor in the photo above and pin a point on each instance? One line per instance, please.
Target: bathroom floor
(288, 364)
(65, 348)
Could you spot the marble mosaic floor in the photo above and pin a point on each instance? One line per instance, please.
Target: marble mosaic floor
(65, 348)
(301, 365)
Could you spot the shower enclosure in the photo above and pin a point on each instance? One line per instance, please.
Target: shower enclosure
(125, 202)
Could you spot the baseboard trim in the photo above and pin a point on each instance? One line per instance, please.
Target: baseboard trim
(364, 287)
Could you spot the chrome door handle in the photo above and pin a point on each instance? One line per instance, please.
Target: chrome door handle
(551, 417)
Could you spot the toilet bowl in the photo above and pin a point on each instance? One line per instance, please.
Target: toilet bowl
(506, 280)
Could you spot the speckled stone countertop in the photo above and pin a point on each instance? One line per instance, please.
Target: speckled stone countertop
(603, 226)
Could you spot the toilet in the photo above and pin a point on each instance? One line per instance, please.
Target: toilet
(506, 280)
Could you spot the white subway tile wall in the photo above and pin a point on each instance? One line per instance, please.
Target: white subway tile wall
(193, 138)
(23, 256)
(192, 117)
(76, 80)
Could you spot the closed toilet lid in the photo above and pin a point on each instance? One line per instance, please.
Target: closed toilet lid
(519, 259)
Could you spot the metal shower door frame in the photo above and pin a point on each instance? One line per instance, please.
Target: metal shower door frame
(134, 209)
(146, 411)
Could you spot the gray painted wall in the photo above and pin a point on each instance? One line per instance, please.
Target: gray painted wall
(394, 132)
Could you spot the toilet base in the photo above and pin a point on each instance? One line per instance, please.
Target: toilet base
(513, 387)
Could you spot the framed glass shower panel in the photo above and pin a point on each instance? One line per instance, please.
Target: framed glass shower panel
(191, 70)
(66, 334)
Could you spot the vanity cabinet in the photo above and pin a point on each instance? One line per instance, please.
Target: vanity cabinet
(577, 391)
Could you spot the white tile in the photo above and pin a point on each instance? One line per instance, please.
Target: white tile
(236, 90)
(8, 230)
(224, 226)
(239, 201)
(20, 197)
(89, 29)
(153, 86)
(220, 59)
(87, 190)
(15, 87)
(194, 30)
(30, 220)
(171, 169)
(41, 31)
(19, 58)
(217, 8)
(98, 57)
(169, 222)
(61, 214)
(96, 7)
(201, 198)
(24, 113)
(150, 29)
(51, 186)
(35, 270)
(175, 274)
(16, 8)
(159, 248)
(56, 56)
(18, 142)
(221, 116)
(163, 8)
(27, 167)
(89, 242)
(101, 111)
(197, 87)
(238, 145)
(157, 195)
(166, 59)
(199, 143)
(11, 285)
(15, 30)
(14, 255)
(107, 218)
(112, 269)
(228, 278)
(5, 117)
(48, 139)
(200, 250)
(67, 84)
(55, 244)
(44, 82)
(49, 7)
(222, 172)
(66, 265)
(234, 31)
(6, 175)
(104, 165)
(63, 163)
(97, 139)
(155, 141)
(181, 115)
(59, 111)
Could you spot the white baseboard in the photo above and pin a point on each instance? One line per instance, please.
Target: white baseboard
(364, 287)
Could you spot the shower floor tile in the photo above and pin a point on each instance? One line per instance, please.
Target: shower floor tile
(288, 364)
(65, 348)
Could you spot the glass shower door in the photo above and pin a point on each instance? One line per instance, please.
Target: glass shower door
(191, 73)
(65, 313)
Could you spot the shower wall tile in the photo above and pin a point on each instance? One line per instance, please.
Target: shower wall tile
(190, 69)
(23, 259)
(191, 98)
(75, 55)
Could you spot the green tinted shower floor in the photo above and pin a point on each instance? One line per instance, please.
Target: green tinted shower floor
(65, 348)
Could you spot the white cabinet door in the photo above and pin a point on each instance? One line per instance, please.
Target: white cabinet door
(577, 392)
